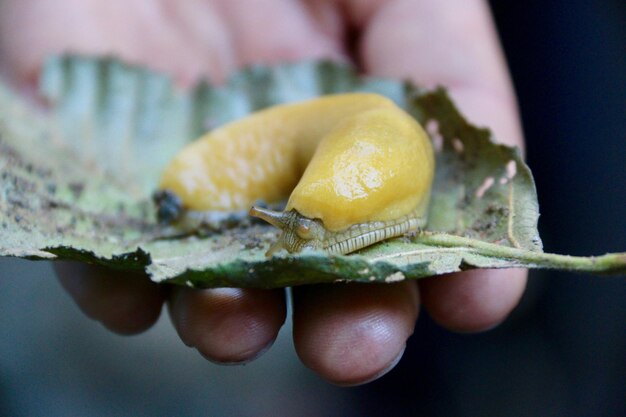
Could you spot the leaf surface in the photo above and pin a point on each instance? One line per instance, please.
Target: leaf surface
(77, 180)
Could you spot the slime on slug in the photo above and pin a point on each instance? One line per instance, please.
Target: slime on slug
(357, 170)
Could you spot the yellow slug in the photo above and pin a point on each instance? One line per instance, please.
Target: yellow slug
(357, 170)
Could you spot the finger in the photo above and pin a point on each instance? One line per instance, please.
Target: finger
(290, 30)
(474, 300)
(452, 43)
(352, 334)
(449, 43)
(185, 39)
(228, 325)
(125, 302)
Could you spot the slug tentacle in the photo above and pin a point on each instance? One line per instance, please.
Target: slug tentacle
(357, 170)
(279, 219)
(298, 232)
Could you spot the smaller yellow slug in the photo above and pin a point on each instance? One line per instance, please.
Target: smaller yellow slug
(356, 168)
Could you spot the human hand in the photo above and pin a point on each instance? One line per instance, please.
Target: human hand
(348, 334)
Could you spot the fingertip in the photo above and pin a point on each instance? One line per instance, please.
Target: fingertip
(367, 379)
(353, 334)
(124, 302)
(473, 301)
(228, 325)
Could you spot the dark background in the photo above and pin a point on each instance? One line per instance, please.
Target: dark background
(561, 353)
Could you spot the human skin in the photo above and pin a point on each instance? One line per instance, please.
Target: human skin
(348, 334)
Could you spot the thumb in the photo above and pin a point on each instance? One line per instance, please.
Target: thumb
(451, 43)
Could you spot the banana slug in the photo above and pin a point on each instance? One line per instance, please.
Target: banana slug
(357, 170)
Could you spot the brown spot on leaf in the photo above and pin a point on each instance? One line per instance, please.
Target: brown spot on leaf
(76, 188)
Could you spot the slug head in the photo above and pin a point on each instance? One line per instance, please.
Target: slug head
(298, 232)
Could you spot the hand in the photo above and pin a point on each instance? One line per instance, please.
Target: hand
(348, 334)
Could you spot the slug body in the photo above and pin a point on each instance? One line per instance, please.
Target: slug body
(357, 170)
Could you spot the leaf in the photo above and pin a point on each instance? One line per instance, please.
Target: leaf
(76, 181)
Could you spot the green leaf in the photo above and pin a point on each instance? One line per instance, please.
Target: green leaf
(76, 181)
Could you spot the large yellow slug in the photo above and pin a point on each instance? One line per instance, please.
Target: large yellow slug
(357, 170)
